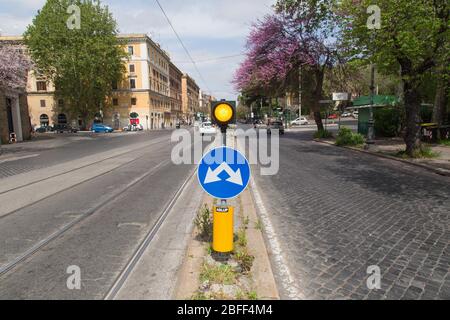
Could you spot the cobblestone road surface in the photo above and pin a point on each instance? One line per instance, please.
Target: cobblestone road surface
(337, 212)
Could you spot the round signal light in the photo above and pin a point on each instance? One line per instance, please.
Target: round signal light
(223, 113)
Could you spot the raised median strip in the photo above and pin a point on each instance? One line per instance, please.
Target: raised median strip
(243, 275)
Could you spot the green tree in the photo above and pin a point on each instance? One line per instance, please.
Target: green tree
(317, 28)
(412, 34)
(82, 62)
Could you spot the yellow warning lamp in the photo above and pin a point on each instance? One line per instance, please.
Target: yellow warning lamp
(223, 113)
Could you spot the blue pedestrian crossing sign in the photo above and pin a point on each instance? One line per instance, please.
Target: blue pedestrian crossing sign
(224, 173)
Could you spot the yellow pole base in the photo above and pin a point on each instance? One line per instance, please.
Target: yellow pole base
(223, 229)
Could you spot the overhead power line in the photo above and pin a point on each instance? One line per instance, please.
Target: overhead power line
(182, 44)
(214, 59)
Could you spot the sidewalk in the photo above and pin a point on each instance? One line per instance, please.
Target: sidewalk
(390, 148)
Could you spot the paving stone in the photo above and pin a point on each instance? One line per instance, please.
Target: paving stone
(343, 211)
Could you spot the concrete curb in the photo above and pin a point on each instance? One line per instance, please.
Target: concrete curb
(442, 172)
(262, 272)
(188, 277)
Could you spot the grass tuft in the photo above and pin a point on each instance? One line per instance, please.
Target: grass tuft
(204, 223)
(218, 274)
(323, 134)
(424, 152)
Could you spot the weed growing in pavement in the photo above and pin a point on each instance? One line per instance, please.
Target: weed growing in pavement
(241, 238)
(259, 225)
(204, 223)
(218, 274)
(244, 260)
(246, 222)
(199, 296)
(444, 142)
(425, 152)
(252, 295)
(323, 134)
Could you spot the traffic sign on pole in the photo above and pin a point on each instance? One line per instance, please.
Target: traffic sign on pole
(224, 173)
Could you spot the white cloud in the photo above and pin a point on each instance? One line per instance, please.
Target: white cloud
(209, 28)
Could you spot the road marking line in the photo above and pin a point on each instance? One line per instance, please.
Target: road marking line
(287, 279)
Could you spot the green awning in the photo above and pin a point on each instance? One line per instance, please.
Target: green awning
(379, 101)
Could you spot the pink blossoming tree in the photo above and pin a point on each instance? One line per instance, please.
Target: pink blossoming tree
(14, 67)
(280, 44)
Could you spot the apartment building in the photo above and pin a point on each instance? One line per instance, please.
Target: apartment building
(42, 107)
(153, 91)
(144, 93)
(176, 94)
(205, 103)
(190, 94)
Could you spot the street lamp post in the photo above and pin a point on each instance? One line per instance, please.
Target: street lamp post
(300, 89)
(370, 131)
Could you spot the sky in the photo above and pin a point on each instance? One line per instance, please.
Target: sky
(210, 29)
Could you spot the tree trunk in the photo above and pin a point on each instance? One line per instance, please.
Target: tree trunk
(319, 74)
(441, 101)
(318, 120)
(412, 108)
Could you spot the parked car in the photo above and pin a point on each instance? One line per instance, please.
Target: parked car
(302, 121)
(207, 128)
(178, 125)
(44, 129)
(355, 114)
(101, 128)
(134, 127)
(276, 125)
(346, 115)
(333, 116)
(61, 128)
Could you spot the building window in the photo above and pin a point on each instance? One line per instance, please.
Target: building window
(44, 120)
(42, 103)
(41, 86)
(132, 83)
(131, 50)
(133, 101)
(115, 102)
(132, 68)
(62, 118)
(114, 85)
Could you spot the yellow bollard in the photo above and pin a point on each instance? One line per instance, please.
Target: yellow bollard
(223, 229)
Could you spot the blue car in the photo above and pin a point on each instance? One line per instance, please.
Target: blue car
(101, 128)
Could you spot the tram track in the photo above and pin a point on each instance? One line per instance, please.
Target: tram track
(134, 260)
(82, 167)
(35, 248)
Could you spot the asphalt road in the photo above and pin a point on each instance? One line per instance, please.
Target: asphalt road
(335, 212)
(51, 149)
(108, 224)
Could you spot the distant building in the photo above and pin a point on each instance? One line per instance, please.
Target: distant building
(205, 103)
(191, 92)
(153, 89)
(176, 94)
(42, 107)
(14, 117)
(145, 90)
